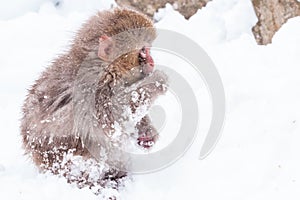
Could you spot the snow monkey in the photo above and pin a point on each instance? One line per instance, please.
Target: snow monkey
(93, 98)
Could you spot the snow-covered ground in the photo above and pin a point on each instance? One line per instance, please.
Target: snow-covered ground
(258, 154)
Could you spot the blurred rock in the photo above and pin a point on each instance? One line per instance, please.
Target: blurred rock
(272, 14)
(186, 7)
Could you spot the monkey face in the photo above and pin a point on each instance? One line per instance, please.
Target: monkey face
(134, 66)
(143, 66)
(131, 61)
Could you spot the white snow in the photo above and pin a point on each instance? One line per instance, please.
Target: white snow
(15, 8)
(258, 154)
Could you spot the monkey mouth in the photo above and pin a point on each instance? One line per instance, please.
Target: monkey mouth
(147, 69)
(146, 61)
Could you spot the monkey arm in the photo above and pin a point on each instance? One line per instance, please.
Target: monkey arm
(105, 107)
(143, 92)
(136, 100)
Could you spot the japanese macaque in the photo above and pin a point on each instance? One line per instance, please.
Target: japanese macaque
(94, 98)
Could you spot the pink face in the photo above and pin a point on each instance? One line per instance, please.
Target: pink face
(107, 45)
(146, 60)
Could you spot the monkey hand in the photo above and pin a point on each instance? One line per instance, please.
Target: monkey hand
(147, 139)
(143, 92)
(148, 89)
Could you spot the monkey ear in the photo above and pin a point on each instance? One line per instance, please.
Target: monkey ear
(106, 48)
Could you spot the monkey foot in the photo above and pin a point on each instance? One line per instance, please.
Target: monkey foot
(147, 134)
(147, 141)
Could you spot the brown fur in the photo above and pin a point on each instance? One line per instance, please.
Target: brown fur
(79, 90)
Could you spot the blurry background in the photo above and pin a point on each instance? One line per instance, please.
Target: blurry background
(254, 45)
(272, 14)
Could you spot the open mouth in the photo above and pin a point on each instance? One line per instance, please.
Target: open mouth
(146, 60)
